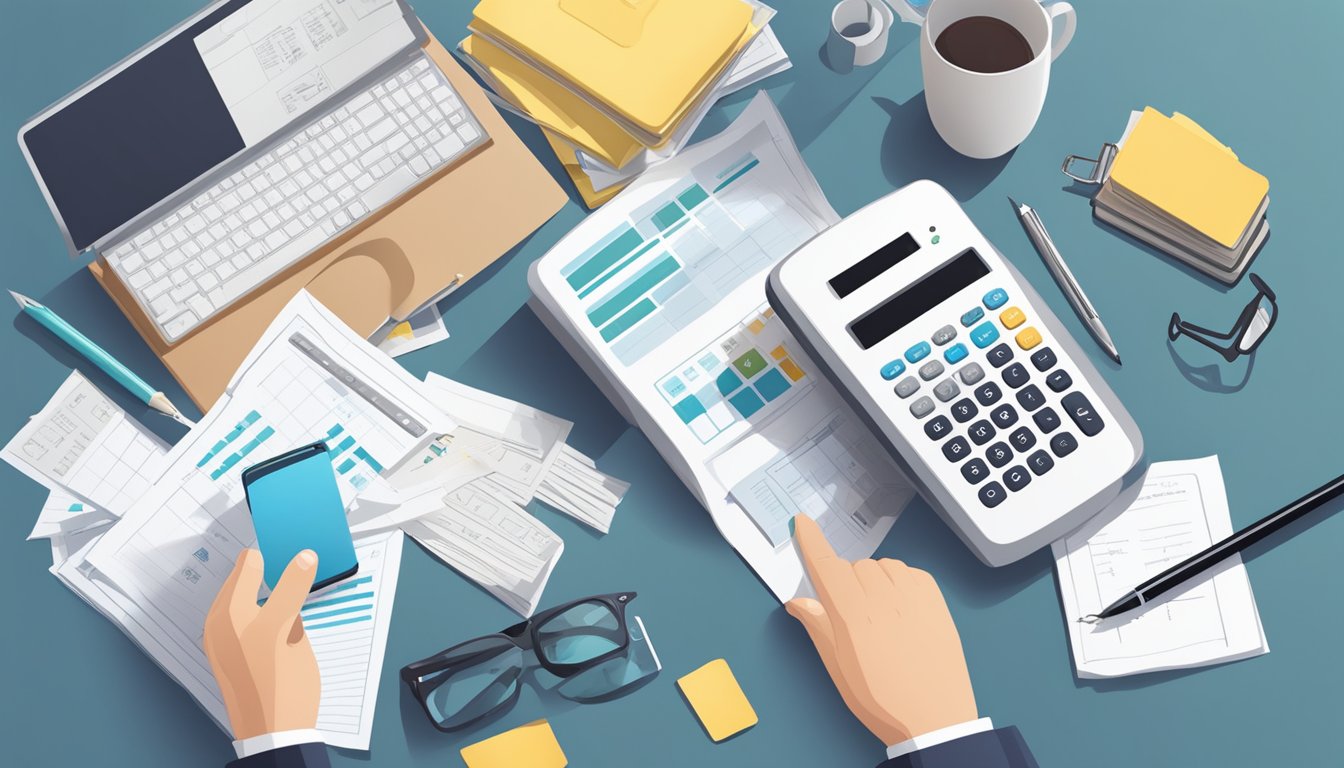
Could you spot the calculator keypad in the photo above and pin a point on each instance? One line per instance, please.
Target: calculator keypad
(921, 407)
(946, 390)
(1015, 375)
(907, 387)
(1030, 398)
(988, 393)
(1000, 355)
(930, 370)
(972, 374)
(964, 410)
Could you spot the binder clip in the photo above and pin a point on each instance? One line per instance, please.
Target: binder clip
(1100, 165)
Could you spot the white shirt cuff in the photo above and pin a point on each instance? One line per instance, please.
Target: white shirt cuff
(269, 741)
(940, 736)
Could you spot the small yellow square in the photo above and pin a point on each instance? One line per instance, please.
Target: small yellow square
(1012, 317)
(779, 353)
(718, 700)
(1028, 337)
(756, 326)
(527, 746)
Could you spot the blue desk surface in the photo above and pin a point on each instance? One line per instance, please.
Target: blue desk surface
(1265, 78)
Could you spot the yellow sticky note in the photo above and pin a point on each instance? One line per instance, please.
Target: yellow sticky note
(718, 700)
(527, 746)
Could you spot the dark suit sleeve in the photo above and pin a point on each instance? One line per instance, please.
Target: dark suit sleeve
(1002, 748)
(297, 756)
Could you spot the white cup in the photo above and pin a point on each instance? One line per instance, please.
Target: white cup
(984, 115)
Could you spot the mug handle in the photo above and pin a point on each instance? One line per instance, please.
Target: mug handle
(1065, 21)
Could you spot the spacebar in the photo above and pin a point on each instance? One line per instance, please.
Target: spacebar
(396, 182)
(252, 276)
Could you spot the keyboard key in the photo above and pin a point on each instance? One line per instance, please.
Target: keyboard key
(131, 263)
(1028, 338)
(1084, 416)
(972, 317)
(931, 370)
(1022, 439)
(988, 393)
(999, 454)
(974, 471)
(1043, 359)
(1030, 398)
(1012, 317)
(999, 355)
(907, 387)
(1059, 381)
(984, 334)
(964, 410)
(944, 335)
(1015, 375)
(946, 390)
(1046, 420)
(992, 495)
(1016, 478)
(956, 449)
(139, 280)
(938, 428)
(955, 354)
(1040, 462)
(972, 374)
(893, 369)
(917, 352)
(921, 407)
(981, 432)
(1063, 444)
(1004, 416)
(996, 298)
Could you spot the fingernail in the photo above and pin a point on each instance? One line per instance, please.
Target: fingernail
(791, 519)
(307, 558)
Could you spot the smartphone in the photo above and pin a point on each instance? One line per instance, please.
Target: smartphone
(296, 505)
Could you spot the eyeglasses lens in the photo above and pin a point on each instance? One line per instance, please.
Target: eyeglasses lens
(580, 634)
(1258, 326)
(489, 679)
(616, 675)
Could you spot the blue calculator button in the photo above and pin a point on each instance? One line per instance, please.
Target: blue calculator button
(983, 335)
(996, 298)
(955, 354)
(972, 317)
(920, 351)
(893, 369)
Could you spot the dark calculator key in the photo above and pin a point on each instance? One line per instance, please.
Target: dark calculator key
(1046, 420)
(1043, 359)
(1000, 355)
(988, 393)
(1022, 439)
(999, 454)
(1004, 416)
(1063, 444)
(974, 471)
(1040, 462)
(1059, 381)
(1015, 375)
(938, 428)
(1083, 414)
(1030, 397)
(1016, 478)
(992, 495)
(964, 410)
(981, 432)
(956, 449)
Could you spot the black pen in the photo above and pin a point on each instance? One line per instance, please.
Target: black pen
(1189, 568)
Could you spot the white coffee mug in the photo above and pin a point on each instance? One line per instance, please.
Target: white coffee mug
(984, 115)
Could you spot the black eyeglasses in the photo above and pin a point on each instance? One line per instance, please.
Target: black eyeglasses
(585, 642)
(1252, 325)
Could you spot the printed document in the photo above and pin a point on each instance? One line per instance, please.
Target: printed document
(1181, 510)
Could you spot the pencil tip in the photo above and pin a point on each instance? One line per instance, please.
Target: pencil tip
(23, 301)
(1091, 618)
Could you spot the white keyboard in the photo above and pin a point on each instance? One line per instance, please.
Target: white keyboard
(194, 262)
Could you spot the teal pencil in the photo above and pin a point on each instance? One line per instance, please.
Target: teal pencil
(100, 357)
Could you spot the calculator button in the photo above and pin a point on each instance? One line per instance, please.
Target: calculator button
(1047, 420)
(1030, 398)
(918, 352)
(907, 387)
(1083, 414)
(988, 393)
(1004, 416)
(893, 369)
(999, 355)
(1059, 381)
(971, 374)
(946, 390)
(974, 471)
(1016, 478)
(996, 298)
(984, 334)
(1012, 317)
(1040, 462)
(955, 354)
(1043, 359)
(956, 449)
(1022, 439)
(1063, 444)
(938, 428)
(930, 370)
(964, 410)
(992, 495)
(972, 317)
(999, 454)
(944, 335)
(1015, 375)
(981, 432)
(1028, 338)
(921, 407)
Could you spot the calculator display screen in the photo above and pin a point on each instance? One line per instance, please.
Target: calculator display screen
(886, 257)
(908, 305)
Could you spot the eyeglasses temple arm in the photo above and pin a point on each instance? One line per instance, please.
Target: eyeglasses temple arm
(1192, 330)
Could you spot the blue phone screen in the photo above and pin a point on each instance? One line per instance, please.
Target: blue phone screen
(299, 507)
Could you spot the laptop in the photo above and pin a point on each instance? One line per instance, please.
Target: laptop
(240, 142)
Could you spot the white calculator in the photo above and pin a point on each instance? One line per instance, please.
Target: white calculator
(960, 369)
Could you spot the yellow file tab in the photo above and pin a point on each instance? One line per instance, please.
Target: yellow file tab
(718, 700)
(527, 746)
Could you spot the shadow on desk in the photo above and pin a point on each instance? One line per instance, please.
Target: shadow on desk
(1210, 377)
(912, 150)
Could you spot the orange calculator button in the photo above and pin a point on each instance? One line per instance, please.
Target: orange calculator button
(1012, 317)
(1028, 338)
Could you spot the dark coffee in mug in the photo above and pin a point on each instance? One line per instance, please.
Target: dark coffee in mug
(984, 44)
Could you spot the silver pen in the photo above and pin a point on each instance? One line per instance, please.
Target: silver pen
(1067, 282)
